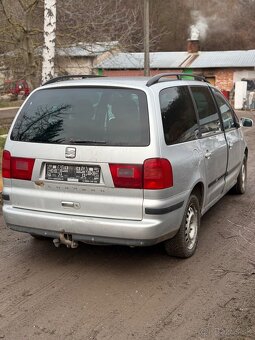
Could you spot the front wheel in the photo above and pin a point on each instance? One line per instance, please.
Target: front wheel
(184, 243)
(240, 186)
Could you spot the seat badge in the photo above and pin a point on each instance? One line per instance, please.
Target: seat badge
(70, 153)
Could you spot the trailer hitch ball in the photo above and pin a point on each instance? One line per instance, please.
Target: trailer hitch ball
(65, 239)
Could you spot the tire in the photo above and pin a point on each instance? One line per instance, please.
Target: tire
(240, 186)
(184, 243)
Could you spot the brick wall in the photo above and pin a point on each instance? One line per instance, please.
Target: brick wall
(224, 79)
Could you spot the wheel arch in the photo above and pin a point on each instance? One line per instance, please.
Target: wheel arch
(246, 152)
(199, 191)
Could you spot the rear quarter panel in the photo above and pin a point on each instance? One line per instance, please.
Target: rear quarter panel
(186, 160)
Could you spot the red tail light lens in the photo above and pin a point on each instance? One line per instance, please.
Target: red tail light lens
(22, 168)
(17, 167)
(6, 164)
(154, 174)
(127, 176)
(158, 174)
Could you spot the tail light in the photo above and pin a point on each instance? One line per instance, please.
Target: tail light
(154, 174)
(17, 167)
(6, 164)
(157, 174)
(127, 176)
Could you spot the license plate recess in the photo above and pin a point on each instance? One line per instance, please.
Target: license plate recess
(73, 173)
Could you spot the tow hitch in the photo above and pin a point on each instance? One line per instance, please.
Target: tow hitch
(65, 239)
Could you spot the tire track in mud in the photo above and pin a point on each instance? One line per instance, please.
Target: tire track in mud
(62, 281)
(11, 305)
(23, 262)
(131, 318)
(133, 314)
(13, 299)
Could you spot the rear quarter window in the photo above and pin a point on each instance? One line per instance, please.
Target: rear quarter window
(178, 115)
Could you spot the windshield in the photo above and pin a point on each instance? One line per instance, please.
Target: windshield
(89, 116)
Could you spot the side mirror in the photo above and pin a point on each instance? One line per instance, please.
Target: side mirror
(246, 122)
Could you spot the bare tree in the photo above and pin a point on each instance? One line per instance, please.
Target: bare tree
(49, 40)
(105, 21)
(20, 32)
(98, 25)
(98, 20)
(21, 29)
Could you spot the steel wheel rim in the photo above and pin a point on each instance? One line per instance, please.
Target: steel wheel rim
(191, 227)
(243, 176)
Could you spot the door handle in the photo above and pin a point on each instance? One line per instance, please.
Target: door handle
(208, 155)
(67, 204)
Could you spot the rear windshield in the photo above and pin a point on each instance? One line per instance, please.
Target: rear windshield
(85, 116)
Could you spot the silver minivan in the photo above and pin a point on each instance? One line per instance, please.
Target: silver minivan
(121, 160)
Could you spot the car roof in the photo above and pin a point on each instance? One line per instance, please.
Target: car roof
(140, 81)
(137, 82)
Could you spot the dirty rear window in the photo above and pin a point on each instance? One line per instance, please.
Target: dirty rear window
(85, 116)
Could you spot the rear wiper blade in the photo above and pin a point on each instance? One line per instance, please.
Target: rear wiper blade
(84, 142)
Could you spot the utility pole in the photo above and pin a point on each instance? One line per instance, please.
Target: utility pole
(146, 38)
(50, 13)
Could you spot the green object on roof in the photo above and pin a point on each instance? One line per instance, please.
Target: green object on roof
(188, 71)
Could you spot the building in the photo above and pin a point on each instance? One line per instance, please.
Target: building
(75, 59)
(221, 68)
(82, 57)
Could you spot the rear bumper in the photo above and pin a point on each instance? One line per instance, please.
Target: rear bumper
(151, 230)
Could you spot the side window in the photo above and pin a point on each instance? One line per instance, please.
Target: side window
(225, 110)
(208, 114)
(178, 115)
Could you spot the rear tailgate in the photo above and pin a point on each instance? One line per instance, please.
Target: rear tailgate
(67, 195)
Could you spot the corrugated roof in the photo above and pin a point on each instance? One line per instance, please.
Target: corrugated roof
(224, 59)
(136, 60)
(165, 60)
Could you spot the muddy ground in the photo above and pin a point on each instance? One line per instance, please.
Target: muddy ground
(96, 292)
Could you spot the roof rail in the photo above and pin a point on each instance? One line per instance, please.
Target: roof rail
(67, 77)
(179, 76)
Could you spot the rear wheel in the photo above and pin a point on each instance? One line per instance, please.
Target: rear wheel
(184, 243)
(240, 186)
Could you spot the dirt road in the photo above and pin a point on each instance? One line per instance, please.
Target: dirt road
(8, 112)
(120, 293)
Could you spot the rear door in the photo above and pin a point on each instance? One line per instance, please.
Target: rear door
(212, 142)
(81, 140)
(233, 136)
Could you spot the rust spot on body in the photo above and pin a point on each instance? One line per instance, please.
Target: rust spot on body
(39, 183)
